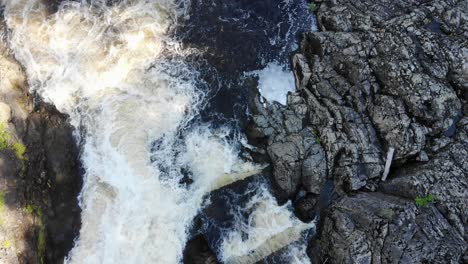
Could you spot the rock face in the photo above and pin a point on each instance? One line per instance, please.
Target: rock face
(39, 173)
(380, 75)
(378, 228)
(54, 172)
(297, 158)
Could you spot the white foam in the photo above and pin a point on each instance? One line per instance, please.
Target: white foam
(269, 228)
(297, 254)
(105, 66)
(274, 82)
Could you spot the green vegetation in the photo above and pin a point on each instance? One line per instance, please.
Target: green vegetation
(424, 201)
(6, 244)
(41, 245)
(317, 136)
(41, 236)
(313, 6)
(2, 201)
(19, 149)
(2, 205)
(6, 143)
(29, 209)
(41, 239)
(4, 138)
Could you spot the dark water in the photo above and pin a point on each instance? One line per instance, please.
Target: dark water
(236, 37)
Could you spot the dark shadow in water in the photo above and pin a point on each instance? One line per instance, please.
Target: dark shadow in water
(236, 37)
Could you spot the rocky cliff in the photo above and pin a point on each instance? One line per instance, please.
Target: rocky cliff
(383, 84)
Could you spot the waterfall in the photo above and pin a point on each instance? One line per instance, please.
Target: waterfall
(121, 78)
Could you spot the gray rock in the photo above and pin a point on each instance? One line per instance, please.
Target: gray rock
(53, 177)
(391, 74)
(445, 176)
(381, 74)
(378, 228)
(297, 158)
(285, 156)
(40, 187)
(314, 169)
(392, 121)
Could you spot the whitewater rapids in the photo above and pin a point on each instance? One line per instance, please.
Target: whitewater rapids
(112, 68)
(121, 77)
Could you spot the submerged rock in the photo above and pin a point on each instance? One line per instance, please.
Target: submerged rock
(197, 251)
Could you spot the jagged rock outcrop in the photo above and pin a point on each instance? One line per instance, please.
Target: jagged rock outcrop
(380, 75)
(297, 158)
(445, 176)
(379, 228)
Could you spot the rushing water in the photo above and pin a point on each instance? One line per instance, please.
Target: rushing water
(122, 79)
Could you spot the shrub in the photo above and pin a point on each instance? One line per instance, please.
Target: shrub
(424, 201)
(6, 143)
(317, 136)
(312, 6)
(4, 138)
(19, 149)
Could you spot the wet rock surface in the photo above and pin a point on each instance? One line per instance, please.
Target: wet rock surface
(379, 75)
(54, 169)
(297, 158)
(39, 172)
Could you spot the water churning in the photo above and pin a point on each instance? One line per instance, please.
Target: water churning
(116, 71)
